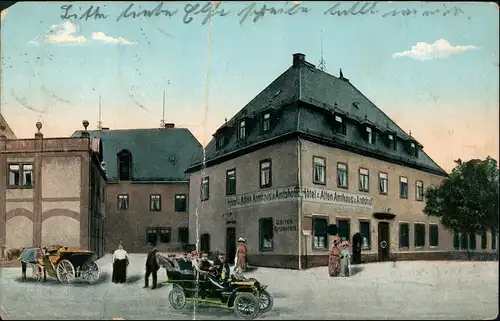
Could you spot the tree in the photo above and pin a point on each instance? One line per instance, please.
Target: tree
(467, 200)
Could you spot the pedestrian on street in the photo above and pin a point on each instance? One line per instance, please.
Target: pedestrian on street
(334, 258)
(120, 263)
(241, 256)
(152, 268)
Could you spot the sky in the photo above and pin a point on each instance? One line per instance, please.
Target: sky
(436, 75)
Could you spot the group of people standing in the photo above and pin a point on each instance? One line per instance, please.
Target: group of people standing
(121, 262)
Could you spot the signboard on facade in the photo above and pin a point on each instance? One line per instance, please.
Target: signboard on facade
(308, 194)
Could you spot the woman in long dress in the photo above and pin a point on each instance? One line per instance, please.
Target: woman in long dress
(241, 256)
(120, 262)
(334, 258)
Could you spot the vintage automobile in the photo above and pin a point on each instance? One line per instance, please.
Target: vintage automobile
(247, 297)
(66, 264)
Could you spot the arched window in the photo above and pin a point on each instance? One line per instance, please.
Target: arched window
(124, 165)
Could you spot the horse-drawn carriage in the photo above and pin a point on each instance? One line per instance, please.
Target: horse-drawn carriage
(247, 297)
(65, 264)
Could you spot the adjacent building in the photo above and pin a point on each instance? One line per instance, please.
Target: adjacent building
(311, 150)
(52, 192)
(147, 188)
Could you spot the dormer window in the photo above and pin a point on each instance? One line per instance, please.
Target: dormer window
(221, 140)
(340, 127)
(391, 142)
(413, 149)
(369, 135)
(241, 130)
(266, 122)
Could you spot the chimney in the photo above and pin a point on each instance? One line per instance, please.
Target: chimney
(169, 125)
(299, 59)
(85, 133)
(38, 135)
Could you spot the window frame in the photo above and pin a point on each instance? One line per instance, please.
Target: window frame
(221, 140)
(472, 236)
(431, 225)
(314, 236)
(340, 125)
(407, 236)
(370, 135)
(456, 240)
(119, 155)
(205, 182)
(417, 189)
(348, 220)
(228, 192)
(261, 234)
(380, 179)
(407, 187)
(152, 231)
(160, 233)
(179, 229)
(242, 132)
(314, 163)
(20, 184)
(484, 240)
(262, 162)
(361, 188)
(266, 120)
(366, 221)
(392, 142)
(178, 197)
(151, 198)
(494, 240)
(118, 202)
(415, 235)
(346, 175)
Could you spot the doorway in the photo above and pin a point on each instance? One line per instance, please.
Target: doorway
(384, 241)
(230, 244)
(205, 243)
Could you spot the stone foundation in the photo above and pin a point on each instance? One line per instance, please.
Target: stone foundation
(309, 261)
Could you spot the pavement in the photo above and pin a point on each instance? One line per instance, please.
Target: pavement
(409, 290)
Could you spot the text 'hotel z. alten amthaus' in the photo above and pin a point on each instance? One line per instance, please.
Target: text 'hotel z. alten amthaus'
(308, 151)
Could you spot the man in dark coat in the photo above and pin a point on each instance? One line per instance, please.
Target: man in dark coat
(152, 267)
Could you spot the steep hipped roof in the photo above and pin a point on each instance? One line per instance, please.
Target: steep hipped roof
(158, 154)
(5, 129)
(302, 98)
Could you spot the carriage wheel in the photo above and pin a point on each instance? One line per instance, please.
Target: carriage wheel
(90, 272)
(246, 306)
(177, 298)
(65, 271)
(266, 302)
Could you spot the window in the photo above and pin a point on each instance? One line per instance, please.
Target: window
(456, 240)
(472, 241)
(155, 203)
(265, 173)
(391, 142)
(464, 241)
(403, 187)
(342, 175)
(266, 122)
(382, 183)
(344, 229)
(413, 150)
(340, 127)
(183, 235)
(319, 170)
(433, 235)
(364, 180)
(241, 130)
(404, 235)
(20, 175)
(180, 203)
(494, 240)
(152, 236)
(365, 231)
(221, 140)
(419, 191)
(122, 202)
(205, 190)
(320, 234)
(124, 165)
(231, 182)
(165, 234)
(419, 235)
(484, 241)
(266, 234)
(369, 136)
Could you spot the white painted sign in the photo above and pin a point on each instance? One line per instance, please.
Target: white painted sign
(308, 194)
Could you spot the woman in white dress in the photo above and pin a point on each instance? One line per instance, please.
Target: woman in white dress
(120, 262)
